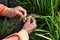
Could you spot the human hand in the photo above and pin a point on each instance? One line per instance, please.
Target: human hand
(12, 12)
(30, 24)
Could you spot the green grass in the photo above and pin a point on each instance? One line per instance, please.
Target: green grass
(45, 12)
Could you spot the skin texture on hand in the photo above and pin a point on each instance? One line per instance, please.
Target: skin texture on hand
(23, 34)
(12, 12)
(30, 24)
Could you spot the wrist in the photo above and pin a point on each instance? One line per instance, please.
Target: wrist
(23, 30)
(27, 30)
(24, 34)
(6, 11)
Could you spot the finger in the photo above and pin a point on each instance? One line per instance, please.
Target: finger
(33, 21)
(25, 20)
(19, 13)
(28, 19)
(23, 11)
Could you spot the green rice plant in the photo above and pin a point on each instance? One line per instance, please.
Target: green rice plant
(45, 13)
(53, 23)
(42, 7)
(8, 25)
(4, 28)
(53, 26)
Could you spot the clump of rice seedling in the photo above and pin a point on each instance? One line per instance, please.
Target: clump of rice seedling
(44, 11)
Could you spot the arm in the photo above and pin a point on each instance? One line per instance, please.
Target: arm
(22, 35)
(29, 26)
(12, 12)
(2, 9)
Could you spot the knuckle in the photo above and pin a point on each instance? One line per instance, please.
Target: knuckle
(25, 10)
(18, 6)
(36, 25)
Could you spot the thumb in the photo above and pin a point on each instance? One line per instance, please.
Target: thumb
(28, 19)
(19, 14)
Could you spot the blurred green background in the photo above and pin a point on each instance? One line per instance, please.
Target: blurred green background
(47, 14)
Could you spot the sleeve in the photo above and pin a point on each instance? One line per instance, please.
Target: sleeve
(2, 9)
(22, 35)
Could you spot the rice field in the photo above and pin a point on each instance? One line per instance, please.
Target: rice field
(47, 14)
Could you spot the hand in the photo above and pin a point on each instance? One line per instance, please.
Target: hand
(16, 11)
(30, 24)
